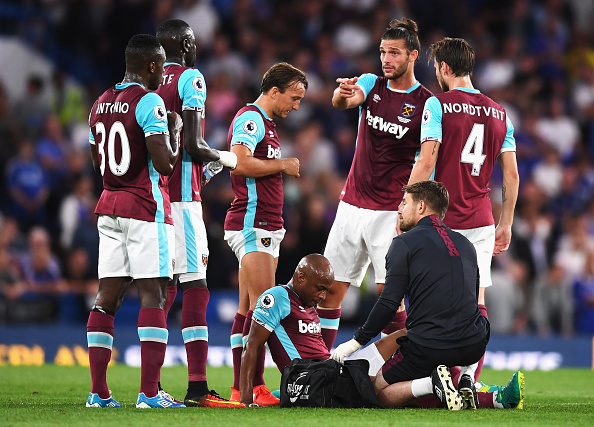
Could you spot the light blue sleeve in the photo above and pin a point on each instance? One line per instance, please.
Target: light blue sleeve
(151, 114)
(192, 89)
(431, 122)
(91, 136)
(248, 130)
(272, 307)
(367, 81)
(509, 144)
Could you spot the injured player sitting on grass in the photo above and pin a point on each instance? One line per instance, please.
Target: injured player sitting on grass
(286, 319)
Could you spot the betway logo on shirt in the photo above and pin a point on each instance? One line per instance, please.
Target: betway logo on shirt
(273, 153)
(312, 328)
(378, 122)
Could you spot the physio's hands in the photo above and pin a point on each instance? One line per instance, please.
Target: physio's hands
(344, 350)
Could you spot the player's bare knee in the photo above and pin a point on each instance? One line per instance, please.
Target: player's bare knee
(200, 283)
(335, 295)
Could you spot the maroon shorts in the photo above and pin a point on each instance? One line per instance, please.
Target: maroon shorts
(412, 361)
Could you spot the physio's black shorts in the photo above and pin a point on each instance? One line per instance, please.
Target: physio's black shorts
(412, 361)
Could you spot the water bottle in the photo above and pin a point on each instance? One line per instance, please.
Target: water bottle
(211, 169)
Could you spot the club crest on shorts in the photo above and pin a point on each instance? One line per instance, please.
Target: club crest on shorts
(267, 301)
(204, 259)
(173, 263)
(407, 109)
(265, 241)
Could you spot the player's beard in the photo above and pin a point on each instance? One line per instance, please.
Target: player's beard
(398, 72)
(444, 86)
(406, 226)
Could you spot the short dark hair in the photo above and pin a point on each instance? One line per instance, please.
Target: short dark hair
(143, 46)
(433, 193)
(405, 29)
(457, 53)
(172, 29)
(283, 76)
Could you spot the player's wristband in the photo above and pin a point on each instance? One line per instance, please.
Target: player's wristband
(228, 159)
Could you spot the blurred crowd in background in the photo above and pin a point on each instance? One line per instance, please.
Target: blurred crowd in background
(535, 58)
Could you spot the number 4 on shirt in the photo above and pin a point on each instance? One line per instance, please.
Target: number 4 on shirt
(473, 149)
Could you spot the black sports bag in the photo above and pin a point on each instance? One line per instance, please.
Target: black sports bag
(325, 383)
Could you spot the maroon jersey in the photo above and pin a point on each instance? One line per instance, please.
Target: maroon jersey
(120, 120)
(258, 202)
(296, 329)
(473, 130)
(183, 88)
(387, 142)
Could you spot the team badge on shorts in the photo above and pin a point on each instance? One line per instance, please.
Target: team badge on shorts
(267, 301)
(266, 241)
(204, 259)
(407, 109)
(173, 263)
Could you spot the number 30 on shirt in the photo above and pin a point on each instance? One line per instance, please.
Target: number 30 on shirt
(118, 169)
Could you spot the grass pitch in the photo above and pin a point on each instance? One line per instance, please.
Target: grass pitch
(52, 395)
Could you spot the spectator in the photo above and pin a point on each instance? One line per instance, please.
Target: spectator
(28, 187)
(548, 174)
(76, 209)
(67, 101)
(583, 289)
(40, 267)
(31, 110)
(559, 130)
(51, 150)
(552, 303)
(574, 246)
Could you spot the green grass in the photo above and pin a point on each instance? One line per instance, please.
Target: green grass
(51, 395)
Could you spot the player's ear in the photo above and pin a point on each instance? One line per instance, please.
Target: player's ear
(152, 67)
(422, 207)
(414, 55)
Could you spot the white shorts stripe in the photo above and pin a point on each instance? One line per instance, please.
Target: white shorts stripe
(191, 244)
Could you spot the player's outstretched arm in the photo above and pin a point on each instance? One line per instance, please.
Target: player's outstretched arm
(164, 149)
(509, 196)
(197, 147)
(251, 167)
(348, 94)
(425, 164)
(253, 346)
